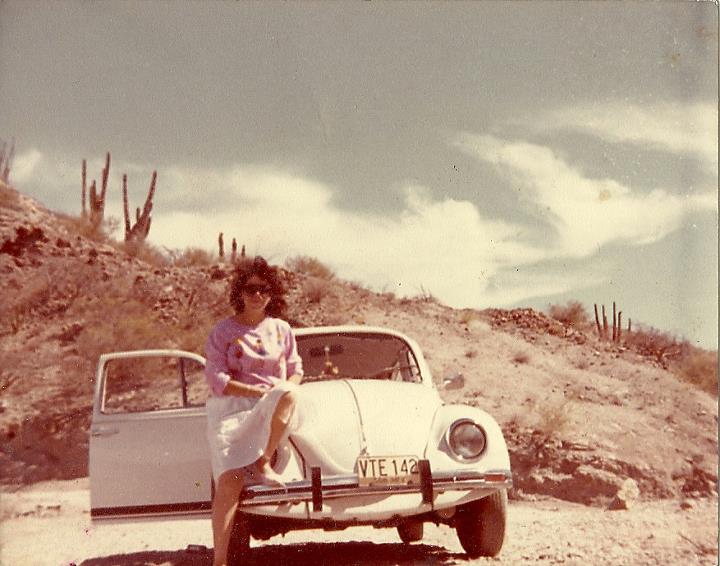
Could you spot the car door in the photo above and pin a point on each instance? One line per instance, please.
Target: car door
(148, 450)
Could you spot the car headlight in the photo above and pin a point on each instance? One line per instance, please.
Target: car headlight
(466, 439)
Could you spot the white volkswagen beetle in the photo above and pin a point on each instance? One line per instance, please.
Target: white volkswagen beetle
(377, 446)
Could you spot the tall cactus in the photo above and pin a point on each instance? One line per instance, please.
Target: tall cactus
(6, 158)
(83, 197)
(140, 230)
(97, 202)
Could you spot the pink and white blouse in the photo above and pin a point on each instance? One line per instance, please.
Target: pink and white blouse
(257, 355)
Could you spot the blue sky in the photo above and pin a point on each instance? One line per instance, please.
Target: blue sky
(494, 154)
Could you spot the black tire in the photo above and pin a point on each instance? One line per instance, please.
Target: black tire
(480, 525)
(410, 531)
(239, 545)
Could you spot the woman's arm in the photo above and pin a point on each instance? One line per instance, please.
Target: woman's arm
(294, 361)
(238, 389)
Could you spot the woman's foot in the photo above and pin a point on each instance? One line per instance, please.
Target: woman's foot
(268, 476)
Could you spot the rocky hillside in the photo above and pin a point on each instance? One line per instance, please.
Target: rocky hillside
(582, 416)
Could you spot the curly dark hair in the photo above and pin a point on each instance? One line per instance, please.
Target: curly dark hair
(260, 268)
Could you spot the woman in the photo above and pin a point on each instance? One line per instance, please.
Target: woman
(253, 370)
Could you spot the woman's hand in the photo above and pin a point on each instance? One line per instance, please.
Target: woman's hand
(238, 389)
(296, 378)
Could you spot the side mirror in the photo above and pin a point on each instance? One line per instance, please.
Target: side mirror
(454, 381)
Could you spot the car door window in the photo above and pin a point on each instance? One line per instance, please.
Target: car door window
(140, 384)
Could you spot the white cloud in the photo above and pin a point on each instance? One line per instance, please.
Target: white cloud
(24, 166)
(444, 246)
(586, 213)
(678, 128)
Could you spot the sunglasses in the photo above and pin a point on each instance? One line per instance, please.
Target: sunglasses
(254, 289)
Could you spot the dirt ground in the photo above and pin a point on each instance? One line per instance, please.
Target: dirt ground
(48, 524)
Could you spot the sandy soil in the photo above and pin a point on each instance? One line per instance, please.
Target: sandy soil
(49, 524)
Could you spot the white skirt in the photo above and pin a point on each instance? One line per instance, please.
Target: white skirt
(239, 427)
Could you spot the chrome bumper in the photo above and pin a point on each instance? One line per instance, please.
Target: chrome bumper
(318, 489)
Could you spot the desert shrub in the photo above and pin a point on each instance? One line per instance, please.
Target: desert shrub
(521, 357)
(554, 417)
(572, 314)
(193, 257)
(309, 266)
(117, 323)
(145, 252)
(316, 289)
(654, 343)
(470, 354)
(582, 364)
(51, 290)
(699, 367)
(466, 316)
(82, 226)
(9, 198)
(17, 308)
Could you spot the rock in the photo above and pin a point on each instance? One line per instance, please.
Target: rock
(70, 333)
(687, 504)
(217, 273)
(699, 482)
(626, 496)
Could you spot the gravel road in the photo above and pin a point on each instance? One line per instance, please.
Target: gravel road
(49, 524)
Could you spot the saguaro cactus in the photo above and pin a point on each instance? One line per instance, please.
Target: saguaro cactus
(83, 197)
(97, 202)
(602, 328)
(221, 246)
(6, 157)
(140, 230)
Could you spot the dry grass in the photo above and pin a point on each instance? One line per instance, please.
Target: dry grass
(521, 357)
(466, 316)
(571, 314)
(688, 363)
(311, 266)
(81, 226)
(9, 198)
(193, 257)
(315, 290)
(19, 307)
(554, 417)
(654, 343)
(145, 252)
(699, 367)
(51, 291)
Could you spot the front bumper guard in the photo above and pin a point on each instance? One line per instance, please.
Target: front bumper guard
(317, 489)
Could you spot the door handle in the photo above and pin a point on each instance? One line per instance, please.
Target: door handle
(103, 431)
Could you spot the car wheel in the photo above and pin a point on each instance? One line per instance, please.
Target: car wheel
(480, 524)
(239, 545)
(410, 531)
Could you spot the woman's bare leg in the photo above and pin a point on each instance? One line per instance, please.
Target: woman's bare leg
(224, 505)
(278, 425)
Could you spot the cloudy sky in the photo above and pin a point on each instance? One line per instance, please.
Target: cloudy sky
(493, 154)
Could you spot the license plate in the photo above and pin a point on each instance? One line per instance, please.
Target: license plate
(388, 470)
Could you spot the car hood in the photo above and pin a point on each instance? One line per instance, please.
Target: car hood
(339, 420)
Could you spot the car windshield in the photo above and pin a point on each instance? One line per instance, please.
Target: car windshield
(357, 356)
